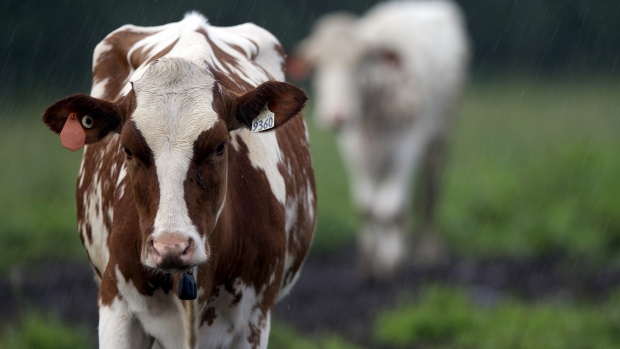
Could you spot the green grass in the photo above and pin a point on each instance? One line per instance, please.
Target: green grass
(37, 194)
(36, 331)
(285, 337)
(336, 219)
(534, 169)
(447, 318)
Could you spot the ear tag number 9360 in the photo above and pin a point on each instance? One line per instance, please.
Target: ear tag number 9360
(263, 122)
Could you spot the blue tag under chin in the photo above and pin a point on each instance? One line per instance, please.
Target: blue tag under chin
(187, 287)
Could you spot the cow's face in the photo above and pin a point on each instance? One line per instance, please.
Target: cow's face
(174, 128)
(331, 54)
(342, 61)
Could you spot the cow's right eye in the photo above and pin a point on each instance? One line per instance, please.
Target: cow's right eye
(220, 148)
(128, 152)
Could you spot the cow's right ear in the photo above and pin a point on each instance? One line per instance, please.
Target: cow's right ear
(81, 119)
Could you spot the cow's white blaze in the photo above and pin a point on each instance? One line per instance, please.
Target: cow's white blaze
(174, 106)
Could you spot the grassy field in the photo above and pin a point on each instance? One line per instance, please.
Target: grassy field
(37, 331)
(449, 318)
(533, 170)
(37, 195)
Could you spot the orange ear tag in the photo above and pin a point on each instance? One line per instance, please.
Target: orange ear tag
(72, 135)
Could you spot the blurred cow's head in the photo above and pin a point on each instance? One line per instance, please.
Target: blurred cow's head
(341, 60)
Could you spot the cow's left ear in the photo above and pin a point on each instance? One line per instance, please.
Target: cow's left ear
(81, 119)
(268, 106)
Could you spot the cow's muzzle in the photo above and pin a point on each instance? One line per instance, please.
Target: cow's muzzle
(172, 252)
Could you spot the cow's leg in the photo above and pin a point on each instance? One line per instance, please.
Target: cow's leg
(362, 181)
(432, 176)
(382, 248)
(430, 247)
(355, 155)
(119, 329)
(392, 200)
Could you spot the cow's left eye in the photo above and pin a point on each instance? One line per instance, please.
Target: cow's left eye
(87, 121)
(220, 148)
(128, 152)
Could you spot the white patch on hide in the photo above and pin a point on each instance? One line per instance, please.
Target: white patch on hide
(119, 329)
(264, 153)
(99, 88)
(97, 247)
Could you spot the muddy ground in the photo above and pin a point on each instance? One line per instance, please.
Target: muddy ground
(330, 296)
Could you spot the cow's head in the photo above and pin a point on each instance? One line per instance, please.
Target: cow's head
(174, 128)
(341, 59)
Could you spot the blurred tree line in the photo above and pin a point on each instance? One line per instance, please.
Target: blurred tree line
(48, 44)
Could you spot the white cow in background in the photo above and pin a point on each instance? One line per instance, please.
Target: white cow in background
(391, 83)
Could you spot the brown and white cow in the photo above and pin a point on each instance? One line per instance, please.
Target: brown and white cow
(390, 82)
(173, 180)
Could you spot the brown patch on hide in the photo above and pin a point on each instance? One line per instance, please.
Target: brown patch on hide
(140, 56)
(144, 182)
(205, 182)
(112, 64)
(209, 316)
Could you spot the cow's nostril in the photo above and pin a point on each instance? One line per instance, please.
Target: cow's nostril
(152, 250)
(188, 249)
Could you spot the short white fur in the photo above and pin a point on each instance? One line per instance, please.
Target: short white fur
(173, 109)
